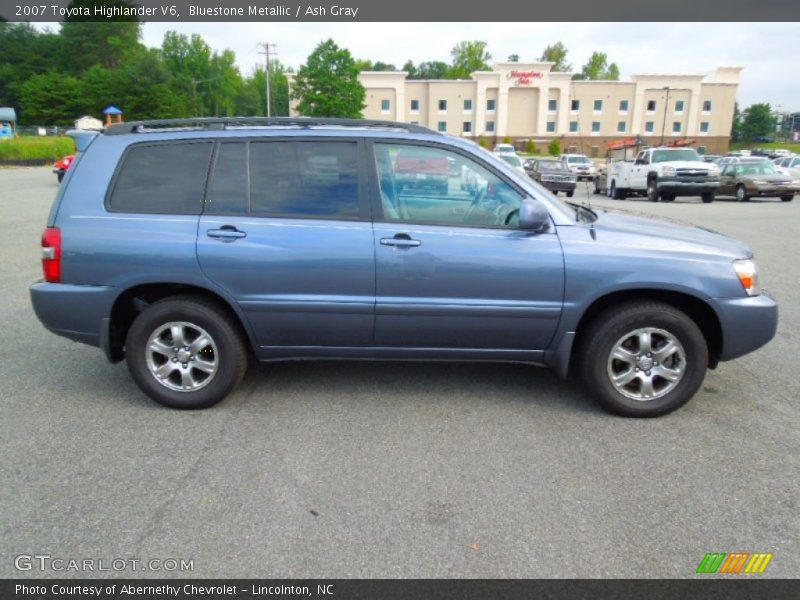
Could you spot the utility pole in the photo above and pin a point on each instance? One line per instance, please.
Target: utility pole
(664, 123)
(268, 50)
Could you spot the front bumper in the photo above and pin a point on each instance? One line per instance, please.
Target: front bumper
(559, 186)
(77, 312)
(747, 323)
(687, 187)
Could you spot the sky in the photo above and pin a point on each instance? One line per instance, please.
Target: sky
(769, 52)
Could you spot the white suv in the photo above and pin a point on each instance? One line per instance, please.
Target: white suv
(504, 149)
(580, 165)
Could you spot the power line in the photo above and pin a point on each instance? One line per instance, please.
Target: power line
(268, 50)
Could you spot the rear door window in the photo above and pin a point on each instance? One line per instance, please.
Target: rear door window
(162, 178)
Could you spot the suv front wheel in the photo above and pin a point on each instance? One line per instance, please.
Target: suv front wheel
(643, 359)
(184, 352)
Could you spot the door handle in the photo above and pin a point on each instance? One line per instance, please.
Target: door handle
(400, 240)
(226, 233)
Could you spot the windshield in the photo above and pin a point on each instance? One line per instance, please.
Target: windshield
(577, 160)
(551, 165)
(678, 154)
(763, 168)
(514, 161)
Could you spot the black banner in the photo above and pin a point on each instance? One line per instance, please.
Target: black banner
(392, 589)
(402, 11)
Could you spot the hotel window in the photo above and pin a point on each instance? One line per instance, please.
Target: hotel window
(676, 127)
(623, 106)
(595, 126)
(552, 105)
(651, 106)
(414, 106)
(442, 105)
(679, 106)
(489, 126)
(598, 106)
(622, 126)
(551, 127)
(467, 127)
(649, 127)
(706, 106)
(491, 105)
(575, 106)
(468, 105)
(442, 126)
(385, 106)
(704, 127)
(573, 126)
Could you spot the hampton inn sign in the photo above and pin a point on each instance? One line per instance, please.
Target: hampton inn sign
(524, 77)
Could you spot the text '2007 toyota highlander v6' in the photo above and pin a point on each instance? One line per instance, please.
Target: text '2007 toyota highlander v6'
(185, 246)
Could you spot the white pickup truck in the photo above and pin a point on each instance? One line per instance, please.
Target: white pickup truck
(663, 174)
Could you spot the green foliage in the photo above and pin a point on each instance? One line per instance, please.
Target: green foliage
(97, 40)
(513, 58)
(435, 69)
(530, 147)
(327, 85)
(507, 140)
(483, 142)
(556, 53)
(554, 148)
(31, 147)
(598, 68)
(51, 98)
(758, 121)
(468, 57)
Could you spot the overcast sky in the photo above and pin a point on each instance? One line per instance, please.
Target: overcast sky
(769, 52)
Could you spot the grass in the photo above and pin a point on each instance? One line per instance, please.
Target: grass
(792, 147)
(34, 147)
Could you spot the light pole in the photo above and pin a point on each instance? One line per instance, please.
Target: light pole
(664, 122)
(269, 49)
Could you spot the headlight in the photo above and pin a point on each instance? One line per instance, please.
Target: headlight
(669, 170)
(748, 275)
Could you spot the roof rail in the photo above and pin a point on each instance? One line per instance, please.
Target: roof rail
(222, 123)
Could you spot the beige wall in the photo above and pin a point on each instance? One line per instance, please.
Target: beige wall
(522, 111)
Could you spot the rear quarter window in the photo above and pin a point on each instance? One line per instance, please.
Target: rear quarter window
(162, 178)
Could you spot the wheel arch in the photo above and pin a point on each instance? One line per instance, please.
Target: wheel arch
(135, 299)
(696, 308)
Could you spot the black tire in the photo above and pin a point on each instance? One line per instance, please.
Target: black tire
(60, 176)
(602, 336)
(787, 198)
(231, 350)
(667, 197)
(597, 189)
(616, 193)
(652, 189)
(741, 193)
(570, 193)
(707, 197)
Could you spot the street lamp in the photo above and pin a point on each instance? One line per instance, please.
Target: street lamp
(664, 123)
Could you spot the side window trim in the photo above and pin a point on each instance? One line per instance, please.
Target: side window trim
(375, 193)
(364, 205)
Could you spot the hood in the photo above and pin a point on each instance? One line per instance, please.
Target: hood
(668, 234)
(689, 164)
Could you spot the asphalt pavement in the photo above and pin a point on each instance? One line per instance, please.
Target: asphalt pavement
(387, 469)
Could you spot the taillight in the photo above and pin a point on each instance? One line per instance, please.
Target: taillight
(51, 254)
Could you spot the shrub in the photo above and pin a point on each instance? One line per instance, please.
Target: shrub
(530, 147)
(32, 148)
(507, 140)
(483, 142)
(555, 147)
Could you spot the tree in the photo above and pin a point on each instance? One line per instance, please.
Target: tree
(432, 70)
(736, 126)
(327, 85)
(51, 98)
(758, 122)
(554, 148)
(409, 68)
(556, 53)
(468, 57)
(597, 68)
(513, 58)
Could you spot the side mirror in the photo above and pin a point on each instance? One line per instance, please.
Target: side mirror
(533, 216)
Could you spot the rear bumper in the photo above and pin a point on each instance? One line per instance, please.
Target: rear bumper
(77, 312)
(559, 186)
(747, 323)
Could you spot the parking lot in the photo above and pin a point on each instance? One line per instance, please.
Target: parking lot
(369, 469)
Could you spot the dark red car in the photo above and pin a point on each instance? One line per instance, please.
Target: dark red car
(61, 165)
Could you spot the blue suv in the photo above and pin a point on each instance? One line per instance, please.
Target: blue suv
(188, 247)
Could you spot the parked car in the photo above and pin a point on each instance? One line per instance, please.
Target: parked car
(788, 165)
(189, 247)
(513, 160)
(61, 165)
(757, 177)
(552, 174)
(580, 165)
(504, 149)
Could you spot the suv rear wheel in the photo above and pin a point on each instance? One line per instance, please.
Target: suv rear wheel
(643, 359)
(184, 352)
